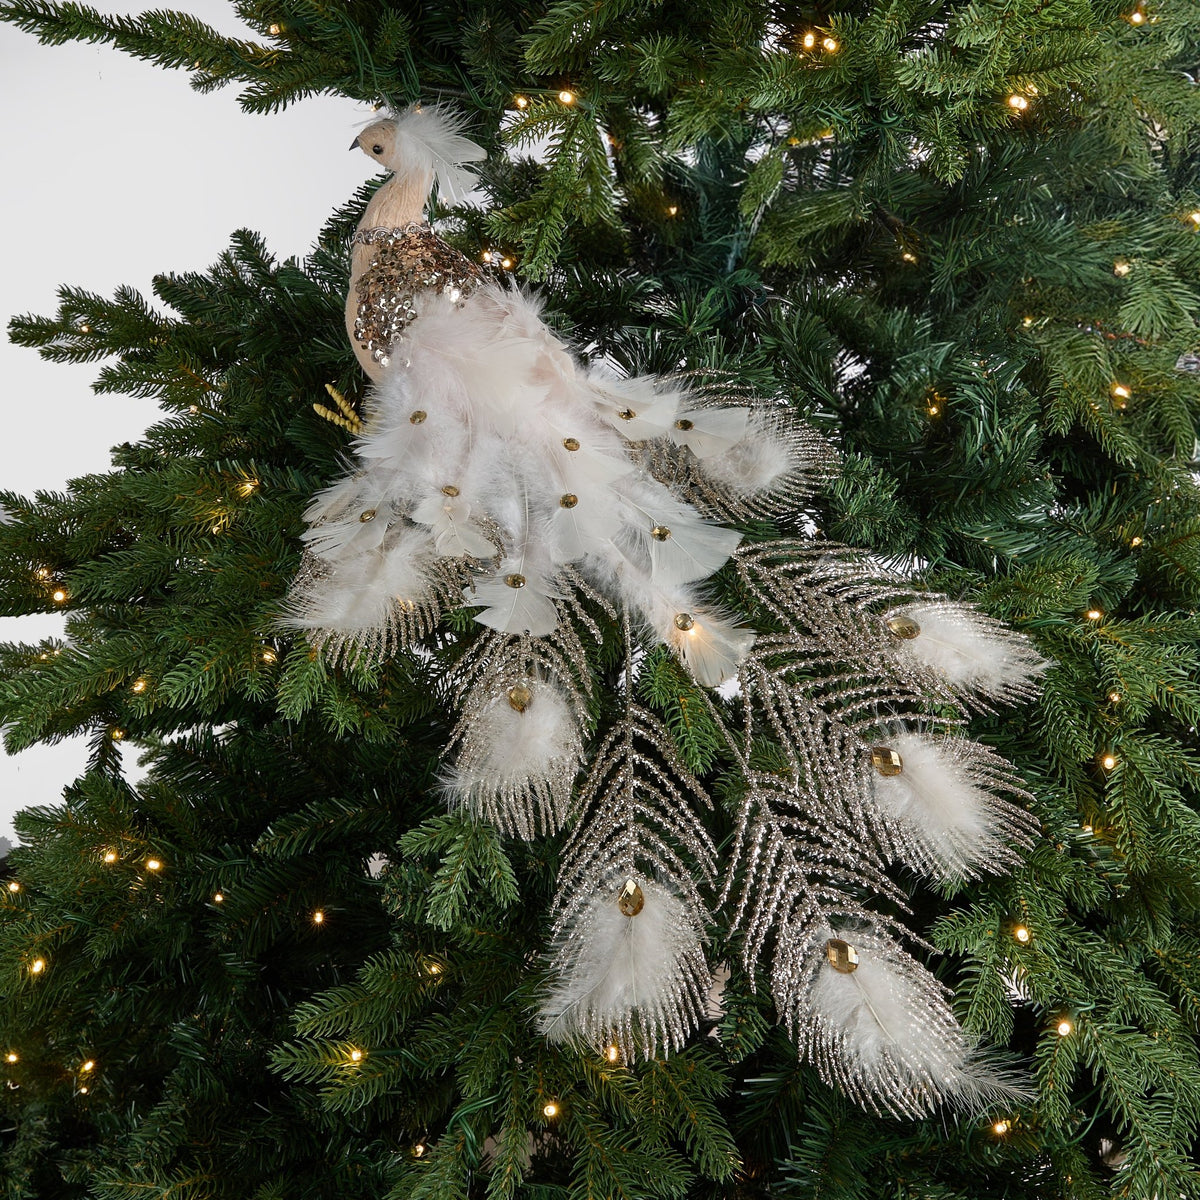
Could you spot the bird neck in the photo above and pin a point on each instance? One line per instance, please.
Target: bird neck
(398, 202)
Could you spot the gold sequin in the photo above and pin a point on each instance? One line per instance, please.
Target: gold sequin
(449, 490)
(418, 416)
(515, 581)
(571, 443)
(405, 263)
(367, 514)
(568, 500)
(684, 424)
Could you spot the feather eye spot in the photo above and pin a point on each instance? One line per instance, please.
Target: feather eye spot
(842, 956)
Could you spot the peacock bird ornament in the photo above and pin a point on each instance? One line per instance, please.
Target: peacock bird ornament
(561, 501)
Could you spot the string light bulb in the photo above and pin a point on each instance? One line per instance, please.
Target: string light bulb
(13, 886)
(672, 210)
(487, 256)
(419, 1150)
(830, 44)
(356, 1055)
(139, 686)
(567, 97)
(318, 917)
(522, 102)
(1120, 391)
(268, 655)
(90, 1065)
(613, 1053)
(110, 856)
(550, 1109)
(1137, 17)
(1114, 697)
(59, 595)
(1135, 540)
(908, 256)
(1093, 614)
(1122, 266)
(1108, 760)
(37, 966)
(117, 734)
(809, 41)
(1023, 934)
(218, 897)
(275, 30)
(12, 1056)
(1017, 102)
(1000, 1128)
(507, 263)
(1065, 1027)
(154, 864)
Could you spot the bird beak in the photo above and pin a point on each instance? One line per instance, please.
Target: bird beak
(354, 144)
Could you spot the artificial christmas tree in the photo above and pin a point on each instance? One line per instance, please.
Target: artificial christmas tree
(959, 241)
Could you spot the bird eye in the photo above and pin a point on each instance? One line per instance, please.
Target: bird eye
(376, 149)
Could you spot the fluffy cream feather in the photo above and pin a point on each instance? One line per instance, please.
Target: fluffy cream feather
(951, 824)
(886, 1034)
(640, 982)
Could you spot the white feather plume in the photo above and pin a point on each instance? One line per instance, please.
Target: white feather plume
(712, 648)
(638, 982)
(970, 651)
(515, 766)
(884, 1033)
(429, 139)
(710, 431)
(953, 825)
(527, 608)
(454, 533)
(756, 462)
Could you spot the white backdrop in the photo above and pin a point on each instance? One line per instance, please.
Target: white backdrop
(112, 170)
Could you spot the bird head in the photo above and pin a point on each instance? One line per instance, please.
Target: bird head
(420, 144)
(377, 141)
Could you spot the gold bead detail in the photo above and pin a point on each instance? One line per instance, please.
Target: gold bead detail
(571, 443)
(660, 533)
(684, 424)
(367, 514)
(841, 955)
(632, 899)
(514, 580)
(903, 627)
(568, 500)
(627, 414)
(684, 621)
(449, 490)
(520, 697)
(886, 761)
(417, 416)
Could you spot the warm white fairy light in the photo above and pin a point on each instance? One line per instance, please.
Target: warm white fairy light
(1000, 1128)
(1114, 697)
(550, 1109)
(110, 856)
(356, 1055)
(13, 886)
(274, 30)
(1122, 267)
(672, 210)
(419, 1150)
(613, 1054)
(218, 897)
(507, 263)
(59, 595)
(154, 864)
(1120, 391)
(37, 966)
(90, 1065)
(1135, 541)
(809, 41)
(12, 1057)
(1017, 102)
(1023, 934)
(1065, 1027)
(1137, 17)
(139, 686)
(318, 917)
(1108, 760)
(117, 734)
(1093, 614)
(521, 102)
(908, 256)
(268, 655)
(488, 256)
(567, 97)
(830, 44)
